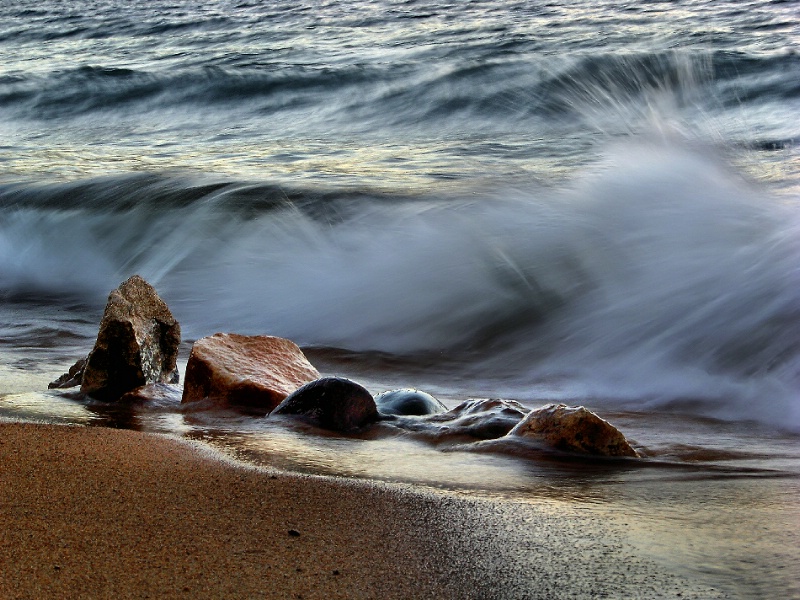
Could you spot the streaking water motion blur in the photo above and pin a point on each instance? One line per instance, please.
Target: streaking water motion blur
(544, 193)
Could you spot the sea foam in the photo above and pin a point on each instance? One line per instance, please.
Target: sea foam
(658, 277)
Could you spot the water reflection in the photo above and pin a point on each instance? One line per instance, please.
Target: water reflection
(37, 407)
(496, 468)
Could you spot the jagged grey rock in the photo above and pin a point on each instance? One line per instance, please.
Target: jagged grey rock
(137, 343)
(481, 418)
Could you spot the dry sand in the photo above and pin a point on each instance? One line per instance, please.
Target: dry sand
(100, 513)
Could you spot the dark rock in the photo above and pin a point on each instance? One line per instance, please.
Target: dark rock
(137, 343)
(71, 378)
(485, 419)
(408, 402)
(331, 403)
(573, 429)
(249, 371)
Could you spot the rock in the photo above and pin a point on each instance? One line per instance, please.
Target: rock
(573, 429)
(71, 378)
(248, 371)
(137, 343)
(408, 402)
(485, 419)
(332, 403)
(155, 393)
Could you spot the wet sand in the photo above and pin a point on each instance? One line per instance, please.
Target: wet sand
(102, 513)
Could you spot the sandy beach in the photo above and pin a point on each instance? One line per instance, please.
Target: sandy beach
(102, 513)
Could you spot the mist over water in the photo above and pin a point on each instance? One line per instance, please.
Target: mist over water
(657, 278)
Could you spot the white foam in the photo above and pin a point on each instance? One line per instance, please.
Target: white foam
(660, 275)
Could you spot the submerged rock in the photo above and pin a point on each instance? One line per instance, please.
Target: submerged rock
(332, 403)
(137, 344)
(71, 378)
(157, 393)
(249, 371)
(408, 402)
(573, 429)
(485, 419)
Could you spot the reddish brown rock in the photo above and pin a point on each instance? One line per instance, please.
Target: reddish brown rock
(573, 429)
(137, 343)
(249, 371)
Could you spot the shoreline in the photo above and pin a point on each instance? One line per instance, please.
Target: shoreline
(94, 513)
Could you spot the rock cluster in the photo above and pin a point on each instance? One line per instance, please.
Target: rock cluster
(134, 358)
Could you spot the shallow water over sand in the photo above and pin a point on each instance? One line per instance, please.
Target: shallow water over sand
(720, 514)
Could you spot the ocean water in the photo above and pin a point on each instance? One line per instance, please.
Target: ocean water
(595, 203)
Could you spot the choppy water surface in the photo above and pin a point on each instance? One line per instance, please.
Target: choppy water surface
(385, 93)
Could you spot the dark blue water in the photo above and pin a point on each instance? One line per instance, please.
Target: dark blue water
(387, 94)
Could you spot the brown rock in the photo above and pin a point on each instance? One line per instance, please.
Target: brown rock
(137, 343)
(573, 429)
(250, 371)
